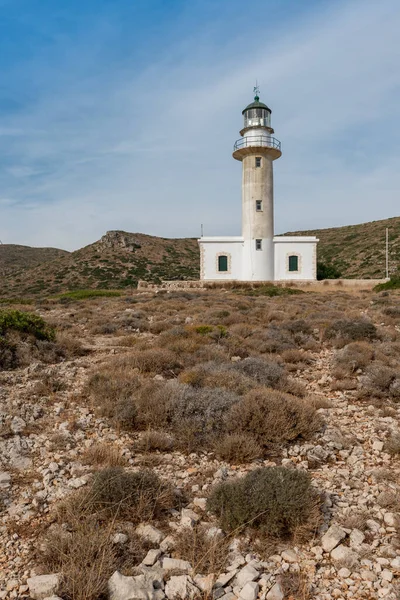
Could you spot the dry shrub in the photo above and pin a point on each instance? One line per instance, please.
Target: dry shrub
(263, 372)
(355, 519)
(295, 586)
(274, 500)
(296, 356)
(196, 415)
(156, 440)
(392, 445)
(271, 416)
(206, 553)
(344, 384)
(151, 404)
(222, 375)
(156, 360)
(114, 492)
(237, 448)
(71, 346)
(86, 557)
(344, 331)
(354, 356)
(381, 381)
(103, 455)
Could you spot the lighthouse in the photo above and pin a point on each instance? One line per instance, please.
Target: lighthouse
(257, 254)
(257, 149)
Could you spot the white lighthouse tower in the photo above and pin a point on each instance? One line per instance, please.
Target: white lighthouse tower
(257, 255)
(257, 149)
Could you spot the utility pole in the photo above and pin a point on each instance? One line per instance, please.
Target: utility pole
(387, 253)
(201, 230)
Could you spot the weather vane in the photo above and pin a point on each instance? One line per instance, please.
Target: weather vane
(256, 89)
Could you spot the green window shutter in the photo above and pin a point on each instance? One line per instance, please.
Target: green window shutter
(222, 263)
(293, 263)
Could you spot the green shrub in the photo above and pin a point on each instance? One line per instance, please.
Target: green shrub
(114, 492)
(327, 271)
(27, 323)
(274, 500)
(271, 416)
(392, 284)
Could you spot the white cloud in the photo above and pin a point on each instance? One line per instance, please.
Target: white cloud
(150, 151)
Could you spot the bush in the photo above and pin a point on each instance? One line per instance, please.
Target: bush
(156, 440)
(27, 323)
(327, 271)
(222, 375)
(156, 360)
(381, 381)
(87, 294)
(237, 448)
(354, 356)
(264, 372)
(392, 445)
(103, 454)
(271, 416)
(113, 492)
(112, 392)
(207, 553)
(351, 330)
(274, 500)
(392, 284)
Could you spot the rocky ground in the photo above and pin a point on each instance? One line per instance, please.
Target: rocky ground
(47, 426)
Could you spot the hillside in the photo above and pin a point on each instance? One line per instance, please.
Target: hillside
(117, 260)
(14, 257)
(120, 259)
(358, 251)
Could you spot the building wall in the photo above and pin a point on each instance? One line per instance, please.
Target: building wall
(212, 249)
(306, 251)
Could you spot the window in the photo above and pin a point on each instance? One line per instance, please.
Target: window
(258, 205)
(258, 161)
(258, 244)
(222, 263)
(293, 263)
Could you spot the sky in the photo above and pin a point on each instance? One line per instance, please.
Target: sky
(122, 114)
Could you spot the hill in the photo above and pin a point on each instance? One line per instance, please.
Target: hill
(14, 257)
(119, 259)
(358, 251)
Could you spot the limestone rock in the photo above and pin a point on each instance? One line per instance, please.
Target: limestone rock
(344, 555)
(151, 557)
(170, 564)
(127, 588)
(150, 533)
(275, 593)
(248, 573)
(332, 538)
(250, 591)
(180, 586)
(43, 586)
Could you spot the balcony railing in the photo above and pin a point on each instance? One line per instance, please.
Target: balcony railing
(262, 140)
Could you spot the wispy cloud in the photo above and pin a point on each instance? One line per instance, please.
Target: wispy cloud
(146, 145)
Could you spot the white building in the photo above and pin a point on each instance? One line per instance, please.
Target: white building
(258, 255)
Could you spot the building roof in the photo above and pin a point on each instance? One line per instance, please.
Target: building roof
(256, 104)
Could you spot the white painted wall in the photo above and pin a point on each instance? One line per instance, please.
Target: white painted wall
(306, 250)
(211, 248)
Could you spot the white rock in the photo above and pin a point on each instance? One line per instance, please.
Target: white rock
(151, 557)
(344, 554)
(367, 575)
(387, 575)
(395, 563)
(17, 425)
(5, 480)
(332, 538)
(167, 544)
(180, 586)
(248, 573)
(250, 591)
(150, 533)
(200, 502)
(289, 556)
(204, 582)
(275, 593)
(127, 588)
(189, 517)
(390, 519)
(42, 586)
(170, 564)
(225, 578)
(119, 538)
(356, 538)
(377, 445)
(344, 573)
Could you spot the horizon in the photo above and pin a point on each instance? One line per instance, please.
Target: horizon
(123, 116)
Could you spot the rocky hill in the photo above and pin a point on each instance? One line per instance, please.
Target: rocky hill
(14, 257)
(358, 251)
(119, 259)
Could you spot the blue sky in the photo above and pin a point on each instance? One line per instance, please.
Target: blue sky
(122, 114)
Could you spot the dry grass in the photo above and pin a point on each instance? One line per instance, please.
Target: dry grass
(206, 553)
(103, 455)
(237, 448)
(151, 441)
